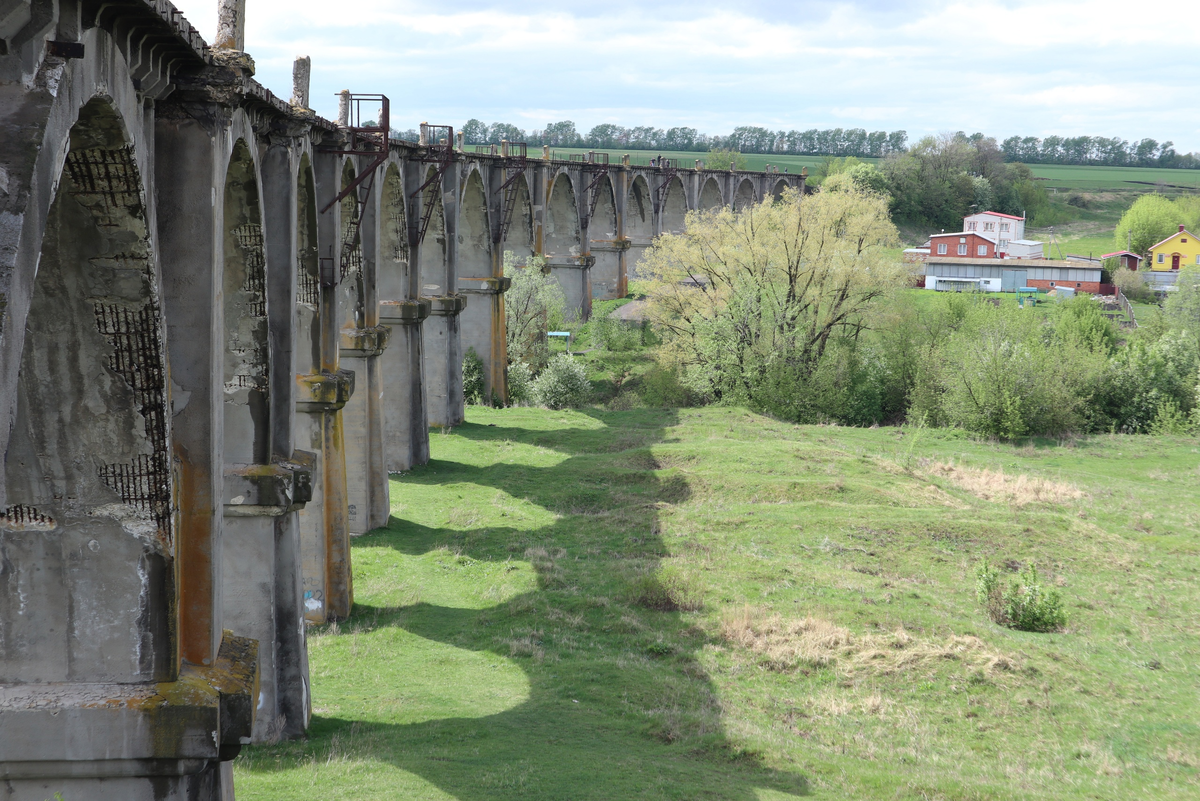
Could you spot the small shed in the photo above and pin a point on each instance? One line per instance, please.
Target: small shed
(1126, 259)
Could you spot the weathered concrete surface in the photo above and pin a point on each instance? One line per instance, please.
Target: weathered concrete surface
(210, 368)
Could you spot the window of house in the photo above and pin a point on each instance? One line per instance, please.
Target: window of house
(1051, 283)
(989, 226)
(1003, 226)
(1198, 259)
(1162, 258)
(962, 250)
(1003, 243)
(942, 250)
(971, 226)
(1182, 241)
(1078, 284)
(981, 250)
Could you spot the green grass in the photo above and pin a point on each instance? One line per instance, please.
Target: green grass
(508, 639)
(1099, 179)
(1055, 176)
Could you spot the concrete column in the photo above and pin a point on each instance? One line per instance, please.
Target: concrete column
(405, 426)
(190, 208)
(301, 74)
(261, 565)
(325, 543)
(231, 25)
(361, 344)
(621, 190)
(442, 337)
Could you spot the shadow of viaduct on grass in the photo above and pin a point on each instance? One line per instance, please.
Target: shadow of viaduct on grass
(619, 707)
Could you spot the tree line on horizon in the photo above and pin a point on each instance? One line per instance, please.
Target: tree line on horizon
(837, 142)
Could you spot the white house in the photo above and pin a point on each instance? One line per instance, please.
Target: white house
(1007, 231)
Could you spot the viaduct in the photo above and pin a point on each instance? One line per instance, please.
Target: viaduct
(224, 321)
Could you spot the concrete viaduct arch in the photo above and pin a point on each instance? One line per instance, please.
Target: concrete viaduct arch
(256, 358)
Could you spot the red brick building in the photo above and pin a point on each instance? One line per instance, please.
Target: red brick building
(963, 245)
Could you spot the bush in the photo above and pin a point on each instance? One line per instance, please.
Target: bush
(1024, 605)
(661, 387)
(520, 384)
(615, 335)
(472, 378)
(563, 384)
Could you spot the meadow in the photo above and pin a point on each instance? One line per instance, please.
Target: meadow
(708, 604)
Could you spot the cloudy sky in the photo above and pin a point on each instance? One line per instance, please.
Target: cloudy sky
(1099, 67)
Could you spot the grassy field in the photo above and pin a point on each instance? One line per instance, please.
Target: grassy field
(1056, 176)
(705, 604)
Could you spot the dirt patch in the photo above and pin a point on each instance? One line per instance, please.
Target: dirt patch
(634, 311)
(998, 486)
(785, 645)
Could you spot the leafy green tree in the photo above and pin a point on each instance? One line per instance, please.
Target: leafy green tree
(1182, 307)
(1080, 321)
(1151, 219)
(532, 305)
(756, 305)
(603, 135)
(502, 131)
(725, 159)
(475, 132)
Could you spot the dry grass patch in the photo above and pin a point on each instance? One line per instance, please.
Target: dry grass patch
(998, 486)
(784, 645)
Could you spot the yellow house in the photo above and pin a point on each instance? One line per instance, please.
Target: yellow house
(1175, 251)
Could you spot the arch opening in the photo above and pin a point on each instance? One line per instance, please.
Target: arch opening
(603, 224)
(308, 282)
(674, 209)
(745, 195)
(474, 231)
(247, 363)
(637, 210)
(519, 238)
(88, 469)
(393, 246)
(562, 236)
(778, 190)
(710, 195)
(432, 264)
(353, 298)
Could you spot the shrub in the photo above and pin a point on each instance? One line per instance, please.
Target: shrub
(520, 384)
(660, 387)
(472, 378)
(563, 384)
(614, 335)
(1024, 605)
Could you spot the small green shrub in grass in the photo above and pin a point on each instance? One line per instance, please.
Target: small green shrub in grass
(472, 378)
(1024, 605)
(563, 384)
(520, 384)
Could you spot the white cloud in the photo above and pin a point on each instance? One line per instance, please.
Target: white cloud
(1066, 66)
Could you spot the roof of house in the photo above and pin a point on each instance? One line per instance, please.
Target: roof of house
(995, 214)
(1026, 242)
(1180, 232)
(980, 234)
(1121, 253)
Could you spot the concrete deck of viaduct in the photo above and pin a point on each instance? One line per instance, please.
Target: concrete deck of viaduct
(208, 375)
